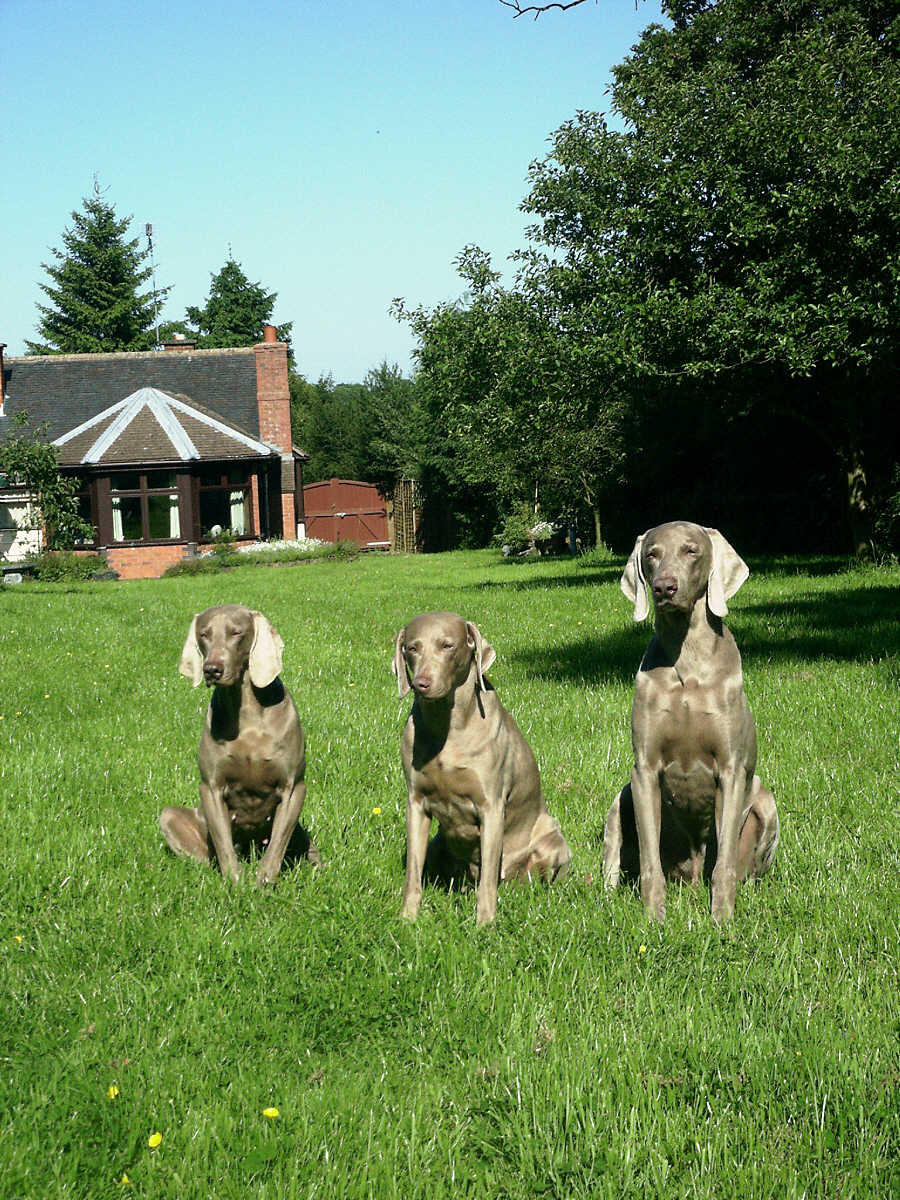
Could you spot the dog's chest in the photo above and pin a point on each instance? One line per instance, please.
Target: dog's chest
(686, 720)
(453, 794)
(251, 772)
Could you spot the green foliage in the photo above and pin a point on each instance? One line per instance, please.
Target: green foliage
(745, 222)
(52, 566)
(715, 282)
(373, 431)
(27, 458)
(96, 301)
(235, 312)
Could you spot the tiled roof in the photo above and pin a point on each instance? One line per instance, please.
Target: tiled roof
(150, 426)
(65, 390)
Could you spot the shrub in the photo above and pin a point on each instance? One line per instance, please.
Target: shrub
(52, 565)
(523, 530)
(222, 557)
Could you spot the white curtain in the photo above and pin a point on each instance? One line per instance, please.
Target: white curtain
(237, 511)
(174, 519)
(118, 535)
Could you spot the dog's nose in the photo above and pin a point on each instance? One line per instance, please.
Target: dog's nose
(213, 671)
(422, 683)
(664, 587)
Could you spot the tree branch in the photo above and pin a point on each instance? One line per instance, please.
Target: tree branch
(520, 10)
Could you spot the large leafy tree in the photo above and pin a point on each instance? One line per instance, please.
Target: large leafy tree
(740, 240)
(98, 296)
(519, 410)
(235, 311)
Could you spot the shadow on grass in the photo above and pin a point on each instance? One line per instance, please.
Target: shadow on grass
(853, 624)
(586, 576)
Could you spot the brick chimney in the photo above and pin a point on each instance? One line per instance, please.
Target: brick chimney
(273, 398)
(179, 342)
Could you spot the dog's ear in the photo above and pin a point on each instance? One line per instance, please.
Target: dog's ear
(191, 665)
(265, 653)
(484, 652)
(633, 583)
(727, 573)
(399, 665)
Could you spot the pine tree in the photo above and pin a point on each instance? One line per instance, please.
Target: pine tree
(235, 311)
(96, 300)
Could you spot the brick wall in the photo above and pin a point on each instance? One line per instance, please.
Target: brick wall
(273, 397)
(273, 394)
(142, 562)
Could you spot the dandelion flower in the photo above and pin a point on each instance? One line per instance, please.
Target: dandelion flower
(125, 1181)
(642, 949)
(154, 1139)
(270, 1112)
(376, 812)
(46, 695)
(112, 1091)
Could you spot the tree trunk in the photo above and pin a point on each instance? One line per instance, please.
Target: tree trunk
(598, 529)
(859, 516)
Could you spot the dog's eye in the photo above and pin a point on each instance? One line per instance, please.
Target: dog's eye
(447, 645)
(690, 549)
(233, 633)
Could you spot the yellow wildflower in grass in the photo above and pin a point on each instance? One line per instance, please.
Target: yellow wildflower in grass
(376, 812)
(270, 1112)
(642, 949)
(18, 938)
(46, 695)
(112, 1091)
(154, 1139)
(125, 1181)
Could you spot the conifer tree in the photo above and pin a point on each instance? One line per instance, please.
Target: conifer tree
(235, 311)
(96, 302)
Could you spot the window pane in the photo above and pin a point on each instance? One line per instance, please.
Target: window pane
(126, 482)
(239, 512)
(210, 478)
(162, 517)
(237, 475)
(127, 518)
(215, 509)
(160, 479)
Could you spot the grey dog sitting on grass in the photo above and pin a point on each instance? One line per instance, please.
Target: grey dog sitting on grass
(694, 805)
(252, 753)
(467, 765)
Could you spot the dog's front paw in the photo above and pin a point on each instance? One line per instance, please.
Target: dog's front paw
(724, 888)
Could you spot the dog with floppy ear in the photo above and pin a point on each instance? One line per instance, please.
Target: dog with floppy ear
(694, 805)
(468, 766)
(252, 753)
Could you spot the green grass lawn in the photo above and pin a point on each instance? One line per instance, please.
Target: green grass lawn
(570, 1049)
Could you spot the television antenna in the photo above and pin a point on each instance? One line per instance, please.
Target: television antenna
(148, 230)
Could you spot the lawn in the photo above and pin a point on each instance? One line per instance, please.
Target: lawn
(570, 1049)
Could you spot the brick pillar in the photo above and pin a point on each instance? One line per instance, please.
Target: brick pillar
(273, 398)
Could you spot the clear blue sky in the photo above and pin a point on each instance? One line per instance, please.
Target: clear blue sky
(345, 150)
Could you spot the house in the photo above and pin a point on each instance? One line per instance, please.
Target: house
(169, 447)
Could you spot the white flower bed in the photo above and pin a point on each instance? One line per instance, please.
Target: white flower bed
(283, 544)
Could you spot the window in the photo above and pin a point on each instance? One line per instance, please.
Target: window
(145, 506)
(85, 508)
(225, 501)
